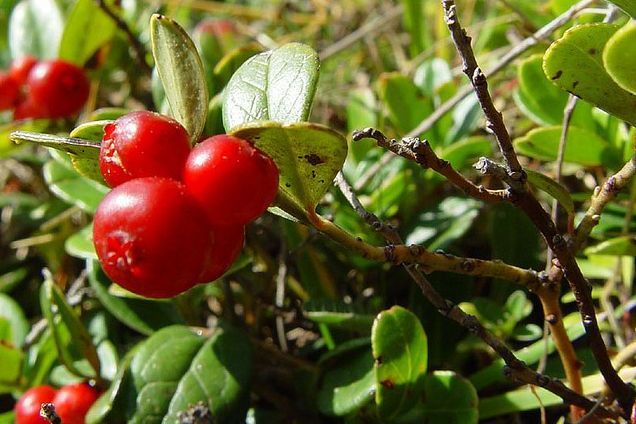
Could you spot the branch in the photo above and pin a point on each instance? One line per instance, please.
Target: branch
(494, 119)
(422, 153)
(601, 197)
(516, 369)
(140, 51)
(506, 59)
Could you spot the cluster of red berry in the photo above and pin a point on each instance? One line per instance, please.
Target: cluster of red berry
(71, 402)
(43, 89)
(176, 216)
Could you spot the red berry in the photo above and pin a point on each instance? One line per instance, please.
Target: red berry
(73, 401)
(151, 238)
(143, 144)
(9, 91)
(21, 67)
(232, 180)
(228, 243)
(27, 409)
(28, 108)
(60, 87)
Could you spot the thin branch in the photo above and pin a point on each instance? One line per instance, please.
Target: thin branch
(370, 27)
(601, 197)
(515, 368)
(422, 153)
(505, 60)
(140, 51)
(494, 118)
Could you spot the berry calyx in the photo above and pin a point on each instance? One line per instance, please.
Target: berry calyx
(27, 408)
(233, 181)
(21, 67)
(151, 237)
(143, 144)
(228, 243)
(61, 88)
(9, 91)
(73, 401)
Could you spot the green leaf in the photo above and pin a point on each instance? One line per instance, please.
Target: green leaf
(617, 246)
(337, 313)
(79, 147)
(87, 29)
(541, 100)
(58, 313)
(627, 5)
(553, 188)
(414, 22)
(308, 157)
(400, 352)
(89, 166)
(405, 105)
(80, 244)
(6, 144)
(181, 72)
(466, 151)
(348, 387)
(142, 315)
(18, 324)
(176, 368)
(232, 61)
(619, 57)
(582, 146)
(35, 29)
(10, 371)
(575, 64)
(73, 188)
(277, 85)
(40, 358)
(449, 398)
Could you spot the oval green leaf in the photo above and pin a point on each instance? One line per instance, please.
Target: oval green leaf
(449, 399)
(72, 187)
(308, 157)
(277, 85)
(619, 57)
(176, 368)
(79, 147)
(617, 246)
(400, 350)
(181, 73)
(582, 146)
(77, 343)
(629, 6)
(80, 244)
(575, 64)
(11, 311)
(89, 166)
(142, 315)
(553, 188)
(35, 29)
(87, 29)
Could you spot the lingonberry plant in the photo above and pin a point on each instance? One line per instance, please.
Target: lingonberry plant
(27, 408)
(283, 213)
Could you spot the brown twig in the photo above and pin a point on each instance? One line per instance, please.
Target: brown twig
(515, 368)
(524, 200)
(140, 51)
(601, 197)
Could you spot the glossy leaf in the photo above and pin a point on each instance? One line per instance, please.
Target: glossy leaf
(73, 188)
(79, 147)
(553, 188)
(11, 359)
(619, 57)
(617, 246)
(79, 344)
(88, 166)
(232, 61)
(308, 157)
(176, 368)
(181, 72)
(87, 29)
(575, 64)
(466, 151)
(6, 144)
(348, 387)
(142, 315)
(449, 398)
(11, 311)
(400, 351)
(277, 85)
(35, 29)
(80, 244)
(404, 103)
(582, 146)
